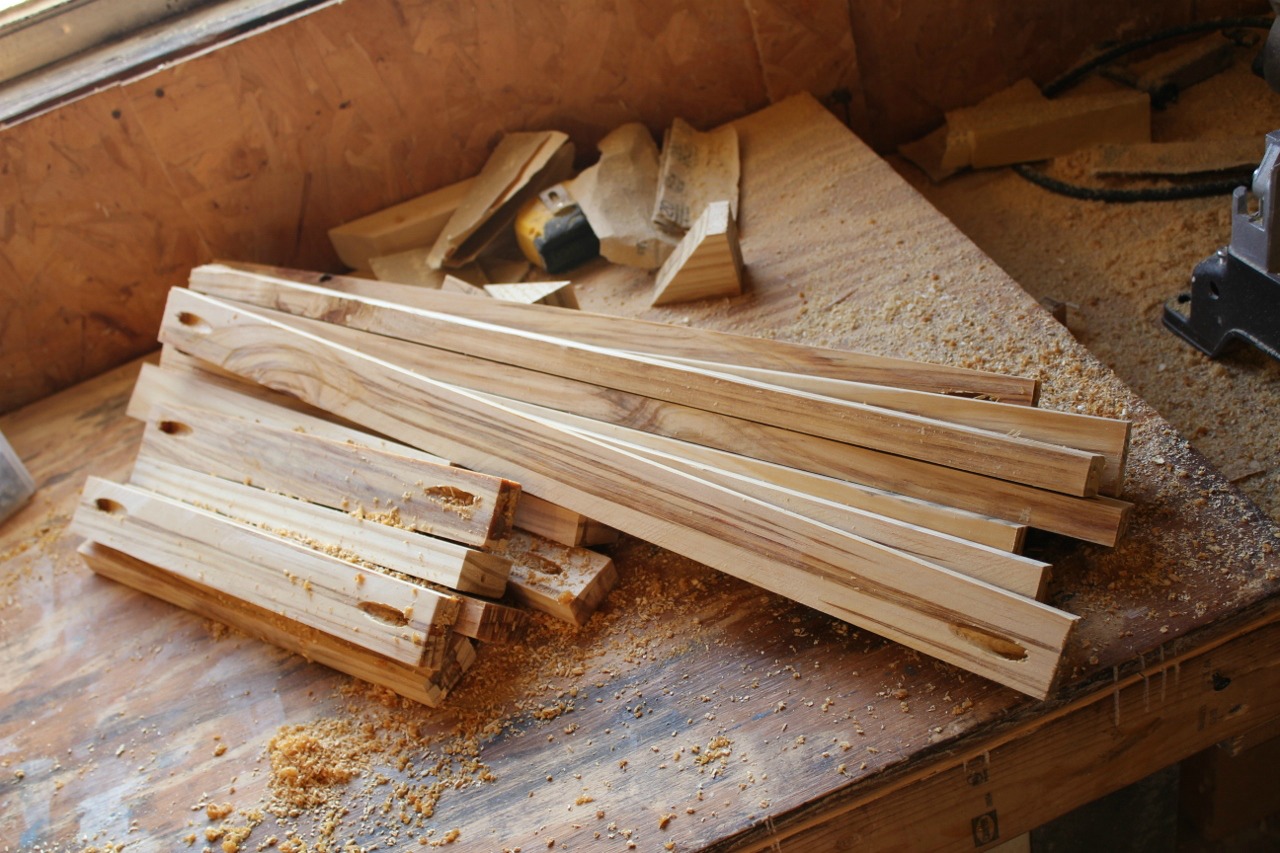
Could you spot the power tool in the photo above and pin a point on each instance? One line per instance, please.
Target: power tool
(1235, 293)
(553, 232)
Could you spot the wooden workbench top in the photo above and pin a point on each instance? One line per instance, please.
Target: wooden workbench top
(694, 710)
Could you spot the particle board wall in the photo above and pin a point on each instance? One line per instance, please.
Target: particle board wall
(252, 151)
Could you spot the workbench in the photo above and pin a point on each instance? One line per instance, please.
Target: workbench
(694, 711)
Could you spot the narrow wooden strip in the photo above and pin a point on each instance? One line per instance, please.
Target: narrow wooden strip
(1009, 571)
(670, 340)
(407, 225)
(428, 686)
(490, 622)
(566, 582)
(184, 379)
(984, 629)
(1099, 520)
(452, 503)
(984, 452)
(332, 531)
(1107, 437)
(397, 619)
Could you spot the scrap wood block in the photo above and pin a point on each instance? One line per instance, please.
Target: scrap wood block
(410, 224)
(1201, 156)
(662, 339)
(707, 264)
(1098, 520)
(397, 619)
(422, 684)
(332, 531)
(991, 632)
(448, 502)
(989, 453)
(566, 582)
(558, 293)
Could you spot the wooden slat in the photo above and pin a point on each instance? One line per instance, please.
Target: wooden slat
(184, 378)
(428, 686)
(1099, 520)
(394, 618)
(408, 225)
(979, 451)
(671, 340)
(452, 503)
(566, 582)
(329, 530)
(984, 629)
(1108, 437)
(1014, 573)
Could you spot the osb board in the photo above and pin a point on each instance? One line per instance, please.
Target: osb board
(692, 694)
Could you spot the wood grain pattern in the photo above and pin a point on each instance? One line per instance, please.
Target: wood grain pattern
(706, 264)
(328, 530)
(439, 500)
(399, 620)
(669, 340)
(565, 581)
(428, 686)
(989, 631)
(998, 455)
(1100, 520)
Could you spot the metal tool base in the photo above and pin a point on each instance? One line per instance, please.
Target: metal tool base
(1229, 300)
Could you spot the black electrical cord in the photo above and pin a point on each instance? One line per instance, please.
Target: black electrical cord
(1053, 88)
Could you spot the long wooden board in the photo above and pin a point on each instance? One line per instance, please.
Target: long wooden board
(183, 379)
(396, 619)
(669, 340)
(1100, 520)
(440, 500)
(421, 684)
(329, 530)
(1108, 437)
(984, 629)
(993, 454)
(1009, 571)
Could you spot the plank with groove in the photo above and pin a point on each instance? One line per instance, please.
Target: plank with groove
(984, 452)
(1009, 571)
(421, 684)
(451, 503)
(983, 629)
(182, 379)
(397, 619)
(671, 340)
(329, 530)
(1099, 520)
(564, 581)
(1108, 437)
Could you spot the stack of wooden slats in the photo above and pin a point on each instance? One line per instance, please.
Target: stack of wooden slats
(889, 493)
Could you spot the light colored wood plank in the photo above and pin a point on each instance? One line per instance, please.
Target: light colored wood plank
(489, 621)
(408, 225)
(407, 267)
(1108, 437)
(421, 684)
(665, 339)
(1014, 573)
(403, 621)
(986, 630)
(1100, 520)
(452, 503)
(706, 264)
(558, 293)
(984, 452)
(331, 531)
(566, 582)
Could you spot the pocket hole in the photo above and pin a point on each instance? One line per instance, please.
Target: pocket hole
(194, 322)
(384, 613)
(109, 506)
(174, 428)
(997, 645)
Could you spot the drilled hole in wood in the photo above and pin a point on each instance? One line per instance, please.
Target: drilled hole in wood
(109, 506)
(194, 322)
(174, 427)
(997, 645)
(384, 613)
